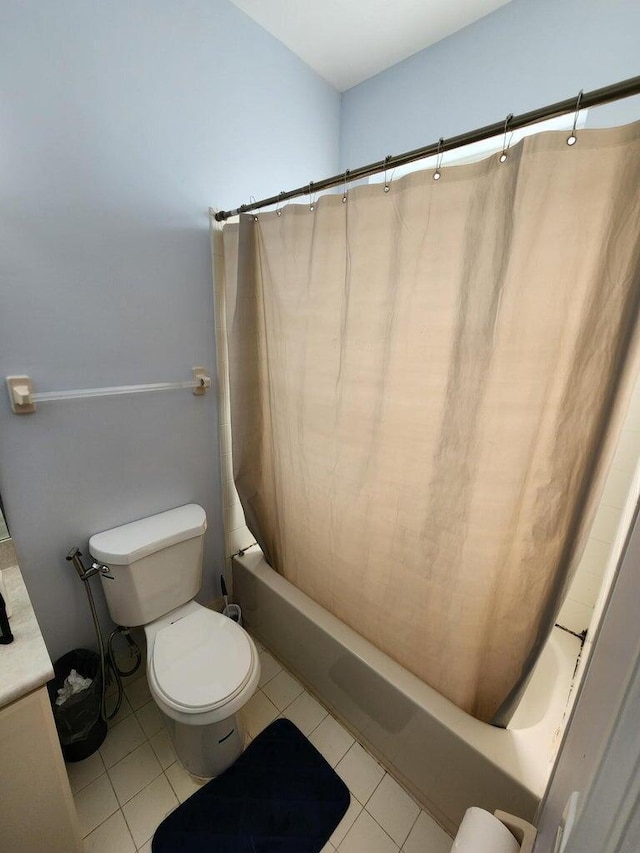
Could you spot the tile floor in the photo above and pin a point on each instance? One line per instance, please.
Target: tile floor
(124, 790)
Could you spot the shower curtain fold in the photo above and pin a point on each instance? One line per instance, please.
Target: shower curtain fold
(426, 389)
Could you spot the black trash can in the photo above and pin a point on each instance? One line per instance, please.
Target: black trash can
(79, 722)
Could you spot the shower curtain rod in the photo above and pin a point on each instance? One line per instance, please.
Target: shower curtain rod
(615, 92)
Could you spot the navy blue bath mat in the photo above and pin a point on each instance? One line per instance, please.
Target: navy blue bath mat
(280, 796)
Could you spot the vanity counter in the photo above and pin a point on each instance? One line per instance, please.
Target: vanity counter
(25, 664)
(37, 810)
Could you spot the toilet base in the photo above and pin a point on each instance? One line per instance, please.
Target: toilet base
(206, 751)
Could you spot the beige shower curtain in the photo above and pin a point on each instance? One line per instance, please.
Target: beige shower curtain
(426, 386)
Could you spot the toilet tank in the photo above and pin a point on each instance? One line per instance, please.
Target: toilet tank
(156, 563)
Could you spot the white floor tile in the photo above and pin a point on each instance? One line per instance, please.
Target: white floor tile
(306, 713)
(138, 748)
(149, 718)
(427, 837)
(163, 748)
(182, 783)
(361, 772)
(149, 808)
(282, 690)
(112, 836)
(365, 836)
(332, 740)
(121, 740)
(134, 772)
(346, 823)
(393, 809)
(124, 710)
(258, 713)
(269, 668)
(81, 773)
(95, 803)
(137, 692)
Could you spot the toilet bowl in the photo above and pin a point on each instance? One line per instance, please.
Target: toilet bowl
(201, 666)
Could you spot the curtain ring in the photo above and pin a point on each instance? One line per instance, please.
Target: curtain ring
(572, 139)
(505, 147)
(278, 209)
(437, 174)
(344, 192)
(252, 199)
(312, 205)
(386, 183)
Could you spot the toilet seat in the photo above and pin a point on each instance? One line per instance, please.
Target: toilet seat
(201, 661)
(200, 664)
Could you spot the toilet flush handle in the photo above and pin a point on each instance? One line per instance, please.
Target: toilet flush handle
(75, 556)
(105, 571)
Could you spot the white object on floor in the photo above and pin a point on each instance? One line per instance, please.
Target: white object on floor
(481, 832)
(524, 832)
(73, 683)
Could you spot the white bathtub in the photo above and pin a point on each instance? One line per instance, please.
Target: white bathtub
(449, 760)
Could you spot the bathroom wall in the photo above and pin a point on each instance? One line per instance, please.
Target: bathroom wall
(522, 56)
(601, 743)
(120, 123)
(581, 597)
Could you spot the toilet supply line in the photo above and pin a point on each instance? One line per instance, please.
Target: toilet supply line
(107, 655)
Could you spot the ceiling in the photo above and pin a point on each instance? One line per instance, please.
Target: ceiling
(347, 41)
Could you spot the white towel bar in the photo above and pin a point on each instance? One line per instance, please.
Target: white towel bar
(23, 399)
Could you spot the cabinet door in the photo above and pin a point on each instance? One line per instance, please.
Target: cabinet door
(37, 811)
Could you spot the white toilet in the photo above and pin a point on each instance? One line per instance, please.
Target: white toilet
(201, 666)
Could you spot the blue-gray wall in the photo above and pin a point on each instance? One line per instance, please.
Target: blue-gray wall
(120, 123)
(524, 55)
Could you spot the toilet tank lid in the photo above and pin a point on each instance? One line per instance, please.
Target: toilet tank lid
(123, 545)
